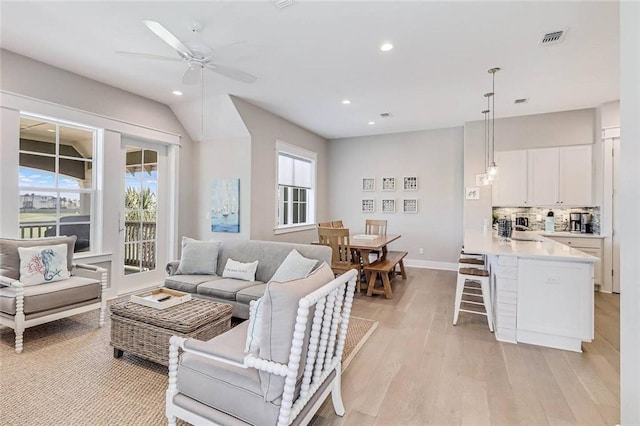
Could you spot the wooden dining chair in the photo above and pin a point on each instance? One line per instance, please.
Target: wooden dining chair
(342, 259)
(337, 224)
(375, 227)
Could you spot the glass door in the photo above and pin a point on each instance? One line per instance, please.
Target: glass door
(144, 211)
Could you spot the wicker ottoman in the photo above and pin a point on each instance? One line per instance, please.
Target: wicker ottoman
(145, 331)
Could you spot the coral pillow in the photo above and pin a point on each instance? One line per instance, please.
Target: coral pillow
(43, 264)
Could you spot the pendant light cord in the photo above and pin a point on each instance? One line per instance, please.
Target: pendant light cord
(201, 103)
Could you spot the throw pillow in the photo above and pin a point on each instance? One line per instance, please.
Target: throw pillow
(198, 257)
(239, 270)
(278, 321)
(294, 267)
(43, 264)
(254, 332)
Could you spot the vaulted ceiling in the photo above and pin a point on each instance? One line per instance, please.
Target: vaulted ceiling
(310, 56)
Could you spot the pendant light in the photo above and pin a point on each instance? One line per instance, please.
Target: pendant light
(492, 170)
(485, 176)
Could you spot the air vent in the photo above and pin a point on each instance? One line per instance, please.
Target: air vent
(521, 101)
(552, 38)
(386, 115)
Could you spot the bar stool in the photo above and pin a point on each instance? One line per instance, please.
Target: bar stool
(467, 286)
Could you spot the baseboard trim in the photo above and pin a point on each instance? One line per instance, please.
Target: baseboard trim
(428, 264)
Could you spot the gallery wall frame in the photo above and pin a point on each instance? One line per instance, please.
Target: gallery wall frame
(409, 205)
(368, 184)
(368, 205)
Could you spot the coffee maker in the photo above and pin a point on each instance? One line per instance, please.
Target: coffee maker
(585, 222)
(575, 222)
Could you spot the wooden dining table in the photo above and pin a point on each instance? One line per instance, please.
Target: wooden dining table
(366, 244)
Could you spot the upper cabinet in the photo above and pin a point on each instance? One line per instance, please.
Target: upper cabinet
(558, 176)
(511, 187)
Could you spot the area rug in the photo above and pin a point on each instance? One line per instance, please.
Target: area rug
(67, 375)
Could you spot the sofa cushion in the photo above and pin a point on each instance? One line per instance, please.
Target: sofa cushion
(187, 283)
(53, 295)
(246, 295)
(293, 267)
(43, 264)
(240, 270)
(270, 253)
(224, 288)
(10, 259)
(232, 390)
(279, 318)
(198, 257)
(254, 331)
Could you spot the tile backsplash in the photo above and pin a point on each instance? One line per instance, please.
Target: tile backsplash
(561, 216)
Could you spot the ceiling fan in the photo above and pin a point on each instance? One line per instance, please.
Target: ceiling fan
(197, 55)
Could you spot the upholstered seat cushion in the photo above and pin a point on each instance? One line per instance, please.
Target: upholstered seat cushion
(224, 288)
(248, 294)
(233, 390)
(188, 283)
(44, 297)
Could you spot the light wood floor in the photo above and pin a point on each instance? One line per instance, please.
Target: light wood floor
(419, 369)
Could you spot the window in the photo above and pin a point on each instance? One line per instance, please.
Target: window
(296, 171)
(56, 178)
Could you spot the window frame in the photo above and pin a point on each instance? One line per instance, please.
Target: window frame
(307, 155)
(95, 218)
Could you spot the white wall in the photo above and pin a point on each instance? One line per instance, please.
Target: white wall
(47, 87)
(435, 156)
(576, 127)
(265, 129)
(221, 151)
(630, 206)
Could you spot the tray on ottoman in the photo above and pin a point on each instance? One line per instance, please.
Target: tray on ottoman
(145, 331)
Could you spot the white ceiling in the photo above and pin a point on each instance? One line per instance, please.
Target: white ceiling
(311, 55)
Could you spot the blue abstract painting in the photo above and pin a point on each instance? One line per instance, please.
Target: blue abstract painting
(225, 205)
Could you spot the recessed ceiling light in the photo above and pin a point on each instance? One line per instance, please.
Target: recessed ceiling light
(385, 47)
(51, 130)
(177, 93)
(372, 122)
(346, 101)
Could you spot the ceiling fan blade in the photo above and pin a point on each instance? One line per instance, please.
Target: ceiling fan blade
(150, 56)
(232, 73)
(169, 38)
(192, 75)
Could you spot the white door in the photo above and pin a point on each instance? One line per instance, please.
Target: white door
(615, 239)
(143, 213)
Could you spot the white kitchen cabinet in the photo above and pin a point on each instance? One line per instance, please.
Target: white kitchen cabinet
(589, 245)
(560, 176)
(511, 187)
(555, 303)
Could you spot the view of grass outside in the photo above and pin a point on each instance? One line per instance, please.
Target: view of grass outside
(141, 205)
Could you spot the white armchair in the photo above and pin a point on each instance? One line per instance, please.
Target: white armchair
(214, 382)
(23, 306)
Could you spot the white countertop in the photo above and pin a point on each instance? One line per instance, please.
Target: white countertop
(568, 234)
(536, 246)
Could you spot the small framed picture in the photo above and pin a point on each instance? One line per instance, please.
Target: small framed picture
(410, 205)
(388, 184)
(472, 193)
(368, 184)
(388, 206)
(368, 206)
(410, 183)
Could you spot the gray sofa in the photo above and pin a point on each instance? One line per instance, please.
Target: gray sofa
(239, 293)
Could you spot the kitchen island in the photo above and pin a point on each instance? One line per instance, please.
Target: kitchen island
(541, 290)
